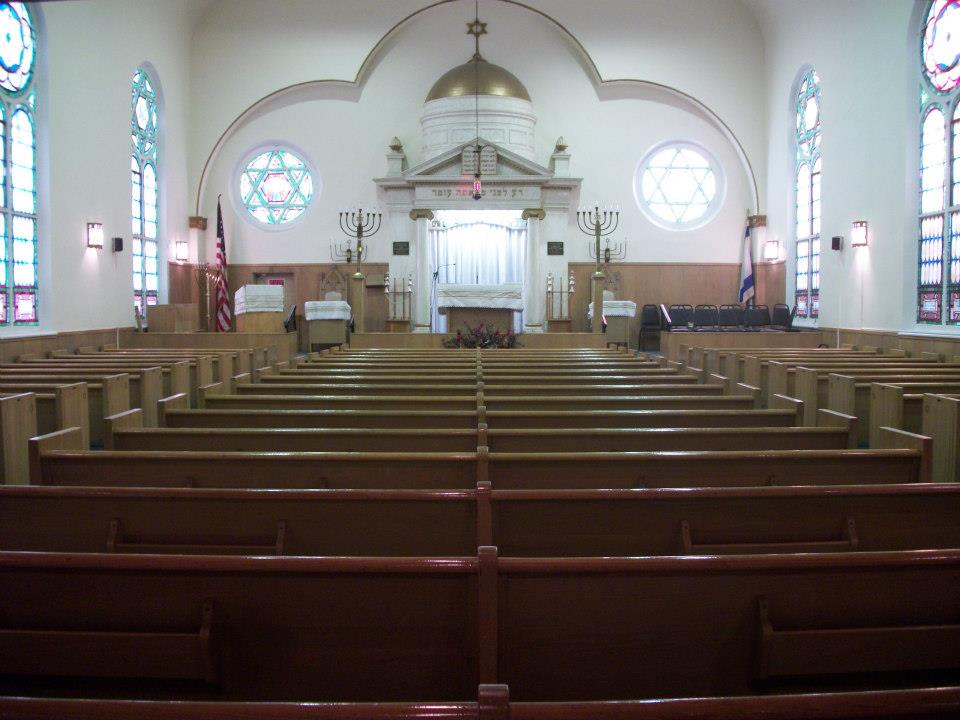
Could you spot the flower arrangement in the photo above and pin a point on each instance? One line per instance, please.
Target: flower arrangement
(482, 336)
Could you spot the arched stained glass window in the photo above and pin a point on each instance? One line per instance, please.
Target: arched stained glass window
(144, 135)
(938, 246)
(276, 186)
(18, 157)
(808, 166)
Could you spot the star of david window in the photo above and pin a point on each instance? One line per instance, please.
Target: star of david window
(276, 186)
(679, 186)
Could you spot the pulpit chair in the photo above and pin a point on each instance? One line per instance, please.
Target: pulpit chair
(781, 316)
(706, 317)
(731, 318)
(649, 327)
(682, 316)
(756, 317)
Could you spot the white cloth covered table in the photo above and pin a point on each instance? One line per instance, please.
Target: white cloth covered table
(615, 308)
(258, 298)
(508, 296)
(326, 310)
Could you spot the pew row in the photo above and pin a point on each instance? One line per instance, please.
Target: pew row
(521, 523)
(941, 422)
(126, 432)
(931, 703)
(337, 629)
(58, 406)
(18, 423)
(900, 404)
(57, 459)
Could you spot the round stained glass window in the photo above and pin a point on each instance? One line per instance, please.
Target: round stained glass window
(941, 45)
(276, 186)
(679, 185)
(16, 46)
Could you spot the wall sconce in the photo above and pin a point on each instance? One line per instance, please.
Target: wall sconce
(95, 235)
(771, 250)
(182, 251)
(858, 233)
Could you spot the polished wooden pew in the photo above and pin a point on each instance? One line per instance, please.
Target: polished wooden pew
(242, 628)
(397, 629)
(18, 423)
(107, 394)
(941, 422)
(900, 404)
(127, 433)
(57, 459)
(813, 385)
(265, 387)
(521, 523)
(58, 406)
(144, 384)
(925, 703)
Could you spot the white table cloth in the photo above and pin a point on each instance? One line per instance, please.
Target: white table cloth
(508, 296)
(326, 310)
(258, 298)
(615, 308)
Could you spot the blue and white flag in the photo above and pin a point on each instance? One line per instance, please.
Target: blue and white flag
(746, 270)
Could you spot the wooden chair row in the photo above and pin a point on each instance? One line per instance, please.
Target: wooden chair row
(521, 523)
(58, 459)
(340, 629)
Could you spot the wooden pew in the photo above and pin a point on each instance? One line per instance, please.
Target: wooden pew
(291, 418)
(241, 628)
(813, 385)
(57, 460)
(58, 406)
(397, 629)
(900, 405)
(266, 387)
(928, 703)
(145, 385)
(744, 417)
(698, 626)
(446, 440)
(521, 523)
(106, 395)
(18, 423)
(941, 422)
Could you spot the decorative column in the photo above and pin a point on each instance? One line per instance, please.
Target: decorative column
(358, 292)
(421, 293)
(533, 313)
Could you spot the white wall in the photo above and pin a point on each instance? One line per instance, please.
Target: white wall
(345, 133)
(92, 50)
(864, 54)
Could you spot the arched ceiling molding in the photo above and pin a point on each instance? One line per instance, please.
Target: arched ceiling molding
(351, 90)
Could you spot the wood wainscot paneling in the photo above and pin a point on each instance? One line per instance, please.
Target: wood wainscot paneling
(944, 346)
(770, 283)
(12, 348)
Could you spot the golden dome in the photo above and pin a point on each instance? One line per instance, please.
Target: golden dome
(491, 79)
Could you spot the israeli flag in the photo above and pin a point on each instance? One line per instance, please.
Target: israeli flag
(746, 270)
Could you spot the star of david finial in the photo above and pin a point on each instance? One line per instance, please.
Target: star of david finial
(476, 28)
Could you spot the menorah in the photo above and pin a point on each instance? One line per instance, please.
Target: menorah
(207, 275)
(617, 252)
(346, 252)
(598, 223)
(358, 224)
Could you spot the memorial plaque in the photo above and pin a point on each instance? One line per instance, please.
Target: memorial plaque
(555, 248)
(401, 248)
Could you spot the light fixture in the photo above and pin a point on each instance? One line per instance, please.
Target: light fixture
(477, 28)
(95, 235)
(182, 251)
(858, 233)
(771, 250)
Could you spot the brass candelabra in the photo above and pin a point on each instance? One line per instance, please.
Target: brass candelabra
(599, 223)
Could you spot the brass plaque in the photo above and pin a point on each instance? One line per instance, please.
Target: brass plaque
(401, 248)
(555, 248)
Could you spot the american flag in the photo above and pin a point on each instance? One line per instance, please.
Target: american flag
(224, 323)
